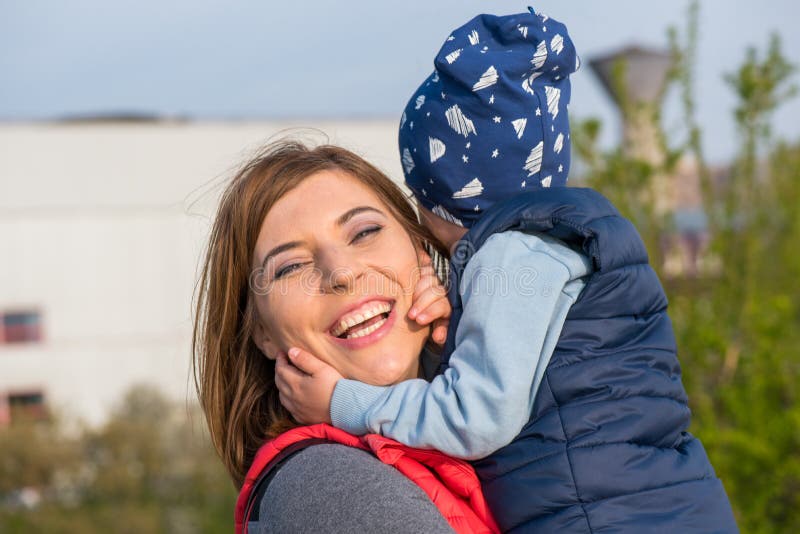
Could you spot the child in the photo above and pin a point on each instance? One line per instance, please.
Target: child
(560, 376)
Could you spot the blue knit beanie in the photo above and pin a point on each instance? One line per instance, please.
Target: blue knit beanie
(491, 121)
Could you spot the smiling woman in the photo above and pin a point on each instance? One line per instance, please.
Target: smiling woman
(315, 248)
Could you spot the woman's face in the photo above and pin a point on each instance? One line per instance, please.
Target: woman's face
(334, 273)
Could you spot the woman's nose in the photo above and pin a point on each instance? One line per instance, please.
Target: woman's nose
(340, 270)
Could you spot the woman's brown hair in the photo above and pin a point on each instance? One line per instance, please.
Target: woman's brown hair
(234, 380)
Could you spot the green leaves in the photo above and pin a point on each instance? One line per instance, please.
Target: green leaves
(761, 86)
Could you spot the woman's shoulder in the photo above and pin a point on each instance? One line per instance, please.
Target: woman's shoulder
(336, 488)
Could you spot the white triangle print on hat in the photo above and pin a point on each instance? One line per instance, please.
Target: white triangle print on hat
(459, 122)
(527, 82)
(446, 215)
(472, 189)
(519, 126)
(408, 161)
(553, 97)
(540, 56)
(534, 162)
(487, 79)
(546, 181)
(437, 148)
(557, 44)
(559, 144)
(452, 56)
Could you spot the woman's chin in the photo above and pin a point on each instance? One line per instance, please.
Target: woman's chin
(387, 379)
(388, 369)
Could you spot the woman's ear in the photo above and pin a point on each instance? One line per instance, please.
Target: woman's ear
(263, 342)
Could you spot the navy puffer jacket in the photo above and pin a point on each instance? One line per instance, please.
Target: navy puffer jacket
(606, 448)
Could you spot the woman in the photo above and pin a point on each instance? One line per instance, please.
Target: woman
(312, 248)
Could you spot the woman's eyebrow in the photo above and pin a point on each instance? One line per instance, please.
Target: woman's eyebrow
(277, 250)
(349, 214)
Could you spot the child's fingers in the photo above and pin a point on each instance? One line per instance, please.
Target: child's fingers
(424, 285)
(423, 302)
(439, 334)
(436, 309)
(427, 278)
(281, 369)
(287, 375)
(428, 288)
(285, 368)
(306, 362)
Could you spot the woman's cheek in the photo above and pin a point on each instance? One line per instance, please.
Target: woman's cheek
(286, 318)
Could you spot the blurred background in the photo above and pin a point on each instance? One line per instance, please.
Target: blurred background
(121, 121)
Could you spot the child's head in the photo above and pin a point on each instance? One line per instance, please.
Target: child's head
(491, 121)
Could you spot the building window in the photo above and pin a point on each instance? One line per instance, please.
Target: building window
(26, 405)
(20, 326)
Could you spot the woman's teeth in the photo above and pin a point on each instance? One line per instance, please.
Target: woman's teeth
(368, 330)
(363, 315)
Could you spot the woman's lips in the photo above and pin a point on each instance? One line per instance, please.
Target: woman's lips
(368, 334)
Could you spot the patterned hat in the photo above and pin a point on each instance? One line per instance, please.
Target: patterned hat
(491, 120)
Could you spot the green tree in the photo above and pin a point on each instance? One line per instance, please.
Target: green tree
(150, 468)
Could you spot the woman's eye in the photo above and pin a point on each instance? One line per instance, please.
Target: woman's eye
(287, 270)
(366, 232)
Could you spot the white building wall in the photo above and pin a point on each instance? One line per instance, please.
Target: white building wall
(102, 228)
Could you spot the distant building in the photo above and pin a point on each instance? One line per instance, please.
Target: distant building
(102, 226)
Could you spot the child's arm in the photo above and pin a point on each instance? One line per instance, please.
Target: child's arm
(516, 292)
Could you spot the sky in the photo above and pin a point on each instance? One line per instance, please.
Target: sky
(258, 59)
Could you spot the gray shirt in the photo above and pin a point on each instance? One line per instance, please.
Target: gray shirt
(336, 488)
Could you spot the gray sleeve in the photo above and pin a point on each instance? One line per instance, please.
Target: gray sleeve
(335, 488)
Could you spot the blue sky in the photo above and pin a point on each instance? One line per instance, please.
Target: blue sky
(261, 59)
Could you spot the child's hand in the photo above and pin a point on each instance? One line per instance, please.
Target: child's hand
(306, 386)
(430, 305)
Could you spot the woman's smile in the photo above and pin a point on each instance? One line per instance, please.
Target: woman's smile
(362, 317)
(365, 325)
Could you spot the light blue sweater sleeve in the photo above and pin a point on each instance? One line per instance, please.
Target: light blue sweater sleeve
(516, 292)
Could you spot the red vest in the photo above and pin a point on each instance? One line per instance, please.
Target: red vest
(451, 484)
